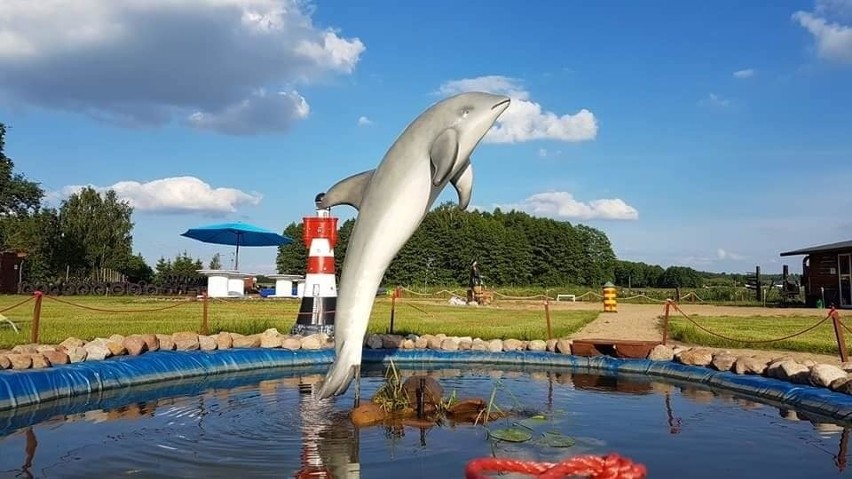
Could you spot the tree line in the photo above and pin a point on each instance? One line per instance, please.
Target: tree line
(90, 235)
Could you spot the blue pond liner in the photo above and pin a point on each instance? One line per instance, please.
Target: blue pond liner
(28, 387)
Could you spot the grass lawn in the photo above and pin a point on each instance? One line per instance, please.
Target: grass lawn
(129, 315)
(819, 340)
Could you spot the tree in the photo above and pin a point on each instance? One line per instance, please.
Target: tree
(292, 258)
(96, 230)
(183, 265)
(18, 195)
(216, 262)
(137, 270)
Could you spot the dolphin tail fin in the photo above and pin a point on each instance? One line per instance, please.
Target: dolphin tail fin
(348, 191)
(345, 368)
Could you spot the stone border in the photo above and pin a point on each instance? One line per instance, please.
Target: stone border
(818, 388)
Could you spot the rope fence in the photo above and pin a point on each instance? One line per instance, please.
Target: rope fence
(833, 315)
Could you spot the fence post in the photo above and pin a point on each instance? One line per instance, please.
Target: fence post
(666, 321)
(36, 315)
(204, 325)
(393, 308)
(547, 316)
(838, 333)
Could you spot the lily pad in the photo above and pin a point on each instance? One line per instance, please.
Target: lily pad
(556, 439)
(511, 434)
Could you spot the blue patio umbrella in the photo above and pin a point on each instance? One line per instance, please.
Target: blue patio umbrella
(237, 234)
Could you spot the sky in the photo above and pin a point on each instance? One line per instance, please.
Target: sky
(713, 135)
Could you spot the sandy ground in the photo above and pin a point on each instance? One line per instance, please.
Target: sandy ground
(641, 322)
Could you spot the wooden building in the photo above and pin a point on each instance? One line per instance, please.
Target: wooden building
(827, 273)
(11, 263)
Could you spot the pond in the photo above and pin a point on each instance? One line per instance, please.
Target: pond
(265, 424)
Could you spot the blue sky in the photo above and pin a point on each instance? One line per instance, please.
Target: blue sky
(708, 134)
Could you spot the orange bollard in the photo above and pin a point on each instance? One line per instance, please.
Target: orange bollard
(609, 303)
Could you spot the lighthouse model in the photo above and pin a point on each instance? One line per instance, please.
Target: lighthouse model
(316, 314)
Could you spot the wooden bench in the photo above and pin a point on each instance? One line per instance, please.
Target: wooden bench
(618, 348)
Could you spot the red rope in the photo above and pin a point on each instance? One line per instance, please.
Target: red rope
(611, 466)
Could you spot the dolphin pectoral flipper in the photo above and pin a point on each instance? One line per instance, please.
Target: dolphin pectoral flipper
(443, 154)
(348, 191)
(463, 183)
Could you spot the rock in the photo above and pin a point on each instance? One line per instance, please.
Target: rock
(421, 343)
(4, 362)
(39, 361)
(408, 344)
(392, 341)
(838, 383)
(367, 414)
(20, 361)
(463, 339)
(661, 352)
(435, 342)
(272, 332)
(824, 374)
(166, 342)
(695, 357)
(551, 345)
(809, 363)
(750, 365)
(207, 343)
(847, 366)
(480, 346)
(224, 341)
(679, 349)
(97, 350)
(56, 357)
(794, 372)
(842, 386)
(495, 346)
(185, 341)
(116, 338)
(135, 345)
(25, 349)
(465, 345)
(467, 410)
(513, 345)
(291, 343)
(412, 337)
(432, 390)
(374, 341)
(151, 341)
(41, 348)
(270, 340)
(537, 345)
(313, 341)
(116, 348)
(240, 341)
(450, 344)
(563, 346)
(77, 355)
(71, 343)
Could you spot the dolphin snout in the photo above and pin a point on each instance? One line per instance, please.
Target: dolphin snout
(503, 104)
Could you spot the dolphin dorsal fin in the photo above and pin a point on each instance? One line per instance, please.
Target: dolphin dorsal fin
(348, 191)
(463, 183)
(443, 154)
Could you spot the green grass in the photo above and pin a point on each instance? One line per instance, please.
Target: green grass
(819, 340)
(59, 320)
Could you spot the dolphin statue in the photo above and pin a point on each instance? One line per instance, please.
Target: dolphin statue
(392, 201)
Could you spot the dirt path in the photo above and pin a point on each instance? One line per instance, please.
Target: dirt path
(641, 322)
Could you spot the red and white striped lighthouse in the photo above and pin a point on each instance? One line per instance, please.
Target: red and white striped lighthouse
(316, 314)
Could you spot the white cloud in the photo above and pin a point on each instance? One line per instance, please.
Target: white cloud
(722, 254)
(561, 204)
(715, 100)
(747, 73)
(364, 121)
(525, 119)
(181, 194)
(833, 39)
(149, 62)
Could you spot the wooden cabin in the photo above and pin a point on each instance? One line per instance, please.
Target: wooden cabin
(827, 273)
(11, 263)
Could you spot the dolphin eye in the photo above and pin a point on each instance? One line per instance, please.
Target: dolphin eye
(465, 112)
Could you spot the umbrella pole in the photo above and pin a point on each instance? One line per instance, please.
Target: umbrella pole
(237, 256)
